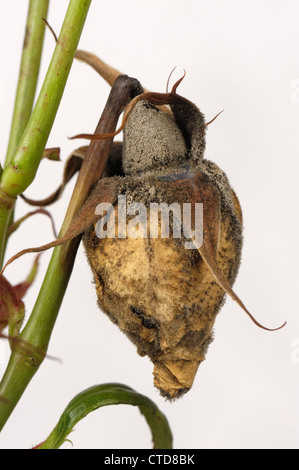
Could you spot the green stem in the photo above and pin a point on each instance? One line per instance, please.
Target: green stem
(28, 75)
(23, 365)
(20, 172)
(24, 361)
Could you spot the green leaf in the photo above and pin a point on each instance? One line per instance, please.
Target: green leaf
(109, 394)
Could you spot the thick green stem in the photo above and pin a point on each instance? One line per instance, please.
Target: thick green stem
(25, 359)
(15, 179)
(29, 70)
(37, 332)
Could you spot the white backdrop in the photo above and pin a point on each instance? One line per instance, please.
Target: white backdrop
(241, 57)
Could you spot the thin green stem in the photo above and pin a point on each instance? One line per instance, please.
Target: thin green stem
(28, 75)
(29, 70)
(20, 172)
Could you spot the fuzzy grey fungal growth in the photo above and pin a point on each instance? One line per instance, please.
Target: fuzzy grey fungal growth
(219, 179)
(152, 140)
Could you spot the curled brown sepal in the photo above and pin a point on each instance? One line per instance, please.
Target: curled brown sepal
(157, 99)
(204, 192)
(52, 154)
(106, 71)
(72, 166)
(106, 190)
(15, 225)
(210, 259)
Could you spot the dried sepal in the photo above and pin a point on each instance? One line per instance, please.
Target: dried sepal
(105, 191)
(15, 225)
(52, 154)
(72, 166)
(205, 192)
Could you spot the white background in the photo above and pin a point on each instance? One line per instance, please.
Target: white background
(241, 57)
